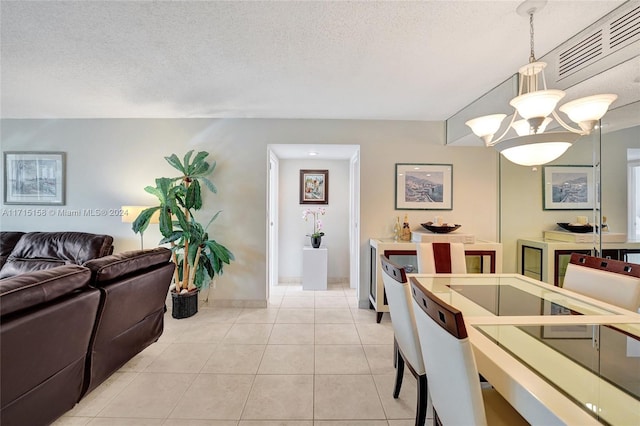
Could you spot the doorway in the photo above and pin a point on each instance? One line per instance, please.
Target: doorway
(308, 154)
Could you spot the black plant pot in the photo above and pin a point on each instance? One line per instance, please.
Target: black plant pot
(316, 241)
(184, 305)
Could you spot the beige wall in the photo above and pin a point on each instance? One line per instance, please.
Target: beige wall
(110, 161)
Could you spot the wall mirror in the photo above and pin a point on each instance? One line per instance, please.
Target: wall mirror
(613, 153)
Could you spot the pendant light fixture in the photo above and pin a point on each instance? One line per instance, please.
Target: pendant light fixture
(535, 105)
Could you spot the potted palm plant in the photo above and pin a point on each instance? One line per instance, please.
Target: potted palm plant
(199, 258)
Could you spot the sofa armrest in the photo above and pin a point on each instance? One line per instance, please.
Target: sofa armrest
(39, 287)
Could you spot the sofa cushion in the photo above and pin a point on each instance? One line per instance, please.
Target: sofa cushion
(41, 250)
(39, 287)
(8, 241)
(108, 268)
(18, 266)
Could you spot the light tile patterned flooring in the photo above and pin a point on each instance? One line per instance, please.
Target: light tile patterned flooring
(310, 358)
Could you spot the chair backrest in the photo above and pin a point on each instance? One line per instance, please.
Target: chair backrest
(401, 311)
(441, 258)
(608, 280)
(451, 368)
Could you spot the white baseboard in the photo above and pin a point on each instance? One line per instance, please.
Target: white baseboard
(298, 280)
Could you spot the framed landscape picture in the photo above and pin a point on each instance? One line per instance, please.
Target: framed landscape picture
(424, 186)
(568, 188)
(34, 178)
(314, 186)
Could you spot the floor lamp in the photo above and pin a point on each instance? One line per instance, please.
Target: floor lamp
(131, 213)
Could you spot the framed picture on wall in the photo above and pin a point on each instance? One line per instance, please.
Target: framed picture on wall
(424, 186)
(568, 188)
(34, 178)
(314, 186)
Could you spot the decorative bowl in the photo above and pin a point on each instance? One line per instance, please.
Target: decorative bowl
(440, 229)
(574, 227)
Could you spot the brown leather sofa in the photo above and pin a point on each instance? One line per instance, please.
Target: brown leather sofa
(66, 329)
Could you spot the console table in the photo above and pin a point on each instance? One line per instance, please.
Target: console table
(482, 257)
(314, 268)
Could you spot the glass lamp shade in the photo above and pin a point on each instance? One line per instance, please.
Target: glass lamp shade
(534, 150)
(537, 104)
(590, 108)
(523, 128)
(487, 125)
(537, 154)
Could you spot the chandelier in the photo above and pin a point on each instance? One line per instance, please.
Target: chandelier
(534, 105)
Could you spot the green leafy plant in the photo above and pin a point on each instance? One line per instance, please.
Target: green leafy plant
(180, 197)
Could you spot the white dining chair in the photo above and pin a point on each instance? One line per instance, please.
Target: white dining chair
(441, 258)
(611, 281)
(406, 342)
(457, 397)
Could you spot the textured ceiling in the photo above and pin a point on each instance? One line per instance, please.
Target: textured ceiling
(354, 60)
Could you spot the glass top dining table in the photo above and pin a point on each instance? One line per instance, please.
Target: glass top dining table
(557, 356)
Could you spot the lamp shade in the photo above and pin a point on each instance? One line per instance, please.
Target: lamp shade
(534, 150)
(537, 104)
(590, 108)
(486, 125)
(131, 213)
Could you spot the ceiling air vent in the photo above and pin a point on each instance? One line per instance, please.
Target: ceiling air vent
(580, 54)
(606, 43)
(625, 29)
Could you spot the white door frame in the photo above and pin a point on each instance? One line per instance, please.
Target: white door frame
(354, 221)
(272, 221)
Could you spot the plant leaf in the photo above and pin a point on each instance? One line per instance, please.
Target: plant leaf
(193, 199)
(175, 235)
(209, 185)
(157, 192)
(144, 218)
(200, 169)
(198, 160)
(175, 163)
(182, 222)
(186, 159)
(212, 219)
(166, 226)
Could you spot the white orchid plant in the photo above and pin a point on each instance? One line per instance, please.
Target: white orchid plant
(317, 223)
